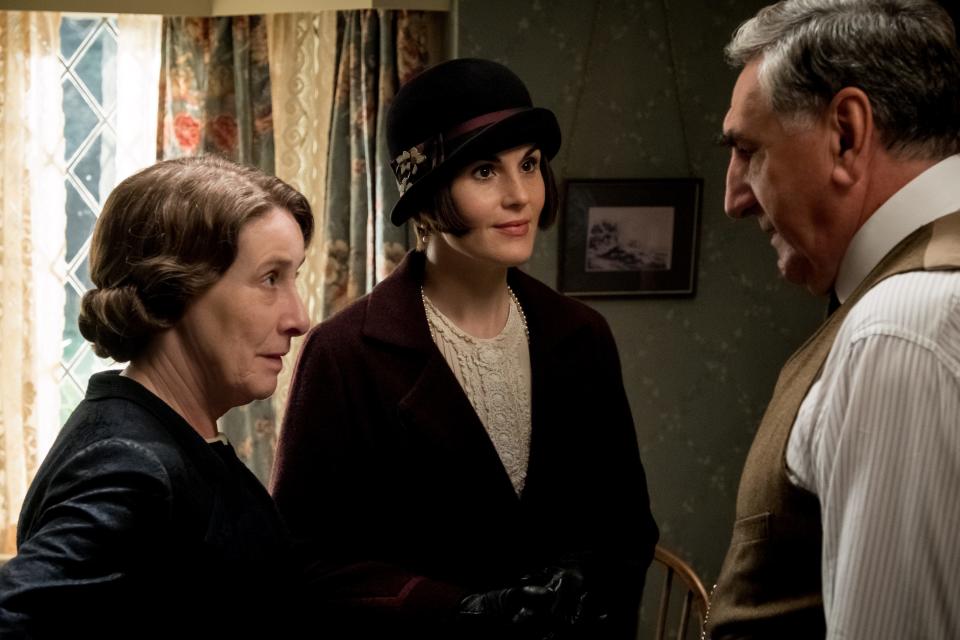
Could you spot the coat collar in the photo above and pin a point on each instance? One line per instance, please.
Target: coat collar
(398, 297)
(111, 384)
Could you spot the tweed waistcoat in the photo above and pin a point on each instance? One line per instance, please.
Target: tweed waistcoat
(770, 582)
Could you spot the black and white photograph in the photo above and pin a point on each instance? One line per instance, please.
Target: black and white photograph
(630, 237)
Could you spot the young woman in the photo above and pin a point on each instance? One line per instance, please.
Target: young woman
(458, 458)
(141, 521)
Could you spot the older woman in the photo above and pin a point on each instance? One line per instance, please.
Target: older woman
(142, 522)
(458, 458)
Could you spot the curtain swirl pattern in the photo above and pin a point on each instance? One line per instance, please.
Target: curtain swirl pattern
(303, 55)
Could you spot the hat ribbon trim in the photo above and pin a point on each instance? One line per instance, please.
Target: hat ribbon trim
(481, 121)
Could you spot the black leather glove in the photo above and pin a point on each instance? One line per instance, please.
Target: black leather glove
(568, 585)
(514, 612)
(574, 606)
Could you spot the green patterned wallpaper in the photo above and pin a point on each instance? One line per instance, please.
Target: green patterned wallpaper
(640, 89)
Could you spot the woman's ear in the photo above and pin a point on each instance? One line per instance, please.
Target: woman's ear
(421, 231)
(851, 124)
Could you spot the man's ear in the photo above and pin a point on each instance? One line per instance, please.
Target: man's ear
(851, 124)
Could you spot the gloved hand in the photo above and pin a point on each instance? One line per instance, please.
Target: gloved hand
(574, 606)
(517, 611)
(568, 585)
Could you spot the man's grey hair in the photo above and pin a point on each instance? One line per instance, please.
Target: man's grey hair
(902, 53)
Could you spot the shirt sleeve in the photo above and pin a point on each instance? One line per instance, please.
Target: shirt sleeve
(97, 512)
(885, 463)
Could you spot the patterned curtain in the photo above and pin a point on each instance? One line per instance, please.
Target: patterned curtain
(215, 99)
(215, 89)
(377, 51)
(31, 252)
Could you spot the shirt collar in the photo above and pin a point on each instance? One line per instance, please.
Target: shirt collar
(931, 195)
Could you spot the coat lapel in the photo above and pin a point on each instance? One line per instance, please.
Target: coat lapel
(441, 421)
(438, 417)
(549, 328)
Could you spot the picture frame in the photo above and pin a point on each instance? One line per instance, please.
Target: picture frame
(634, 237)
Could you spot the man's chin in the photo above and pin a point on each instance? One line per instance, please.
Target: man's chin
(812, 285)
(802, 276)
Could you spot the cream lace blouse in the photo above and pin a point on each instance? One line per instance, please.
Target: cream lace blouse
(495, 375)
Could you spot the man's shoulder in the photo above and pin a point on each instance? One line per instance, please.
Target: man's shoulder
(923, 306)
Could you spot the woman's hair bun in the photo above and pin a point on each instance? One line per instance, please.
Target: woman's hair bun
(116, 322)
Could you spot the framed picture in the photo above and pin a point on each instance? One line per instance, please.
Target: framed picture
(630, 237)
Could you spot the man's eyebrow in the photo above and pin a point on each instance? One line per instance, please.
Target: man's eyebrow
(726, 139)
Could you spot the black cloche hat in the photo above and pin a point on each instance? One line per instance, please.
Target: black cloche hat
(452, 114)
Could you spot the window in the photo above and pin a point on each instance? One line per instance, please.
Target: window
(88, 55)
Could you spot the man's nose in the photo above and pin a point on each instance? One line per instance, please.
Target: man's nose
(739, 198)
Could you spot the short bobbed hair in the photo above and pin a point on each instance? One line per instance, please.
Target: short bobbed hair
(443, 217)
(165, 236)
(902, 53)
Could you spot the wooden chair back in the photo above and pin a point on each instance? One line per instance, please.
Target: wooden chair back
(694, 594)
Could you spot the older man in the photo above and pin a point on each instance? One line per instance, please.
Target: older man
(843, 129)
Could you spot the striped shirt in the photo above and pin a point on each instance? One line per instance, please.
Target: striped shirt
(877, 437)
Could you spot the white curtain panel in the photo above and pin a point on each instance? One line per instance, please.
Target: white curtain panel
(303, 52)
(32, 228)
(33, 222)
(138, 89)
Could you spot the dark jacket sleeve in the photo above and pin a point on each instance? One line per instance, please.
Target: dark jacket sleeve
(79, 534)
(318, 483)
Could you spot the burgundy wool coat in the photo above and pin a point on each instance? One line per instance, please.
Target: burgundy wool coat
(396, 496)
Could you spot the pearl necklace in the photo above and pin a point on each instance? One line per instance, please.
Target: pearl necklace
(523, 316)
(513, 296)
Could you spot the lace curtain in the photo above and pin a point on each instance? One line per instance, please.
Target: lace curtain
(138, 74)
(31, 253)
(303, 56)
